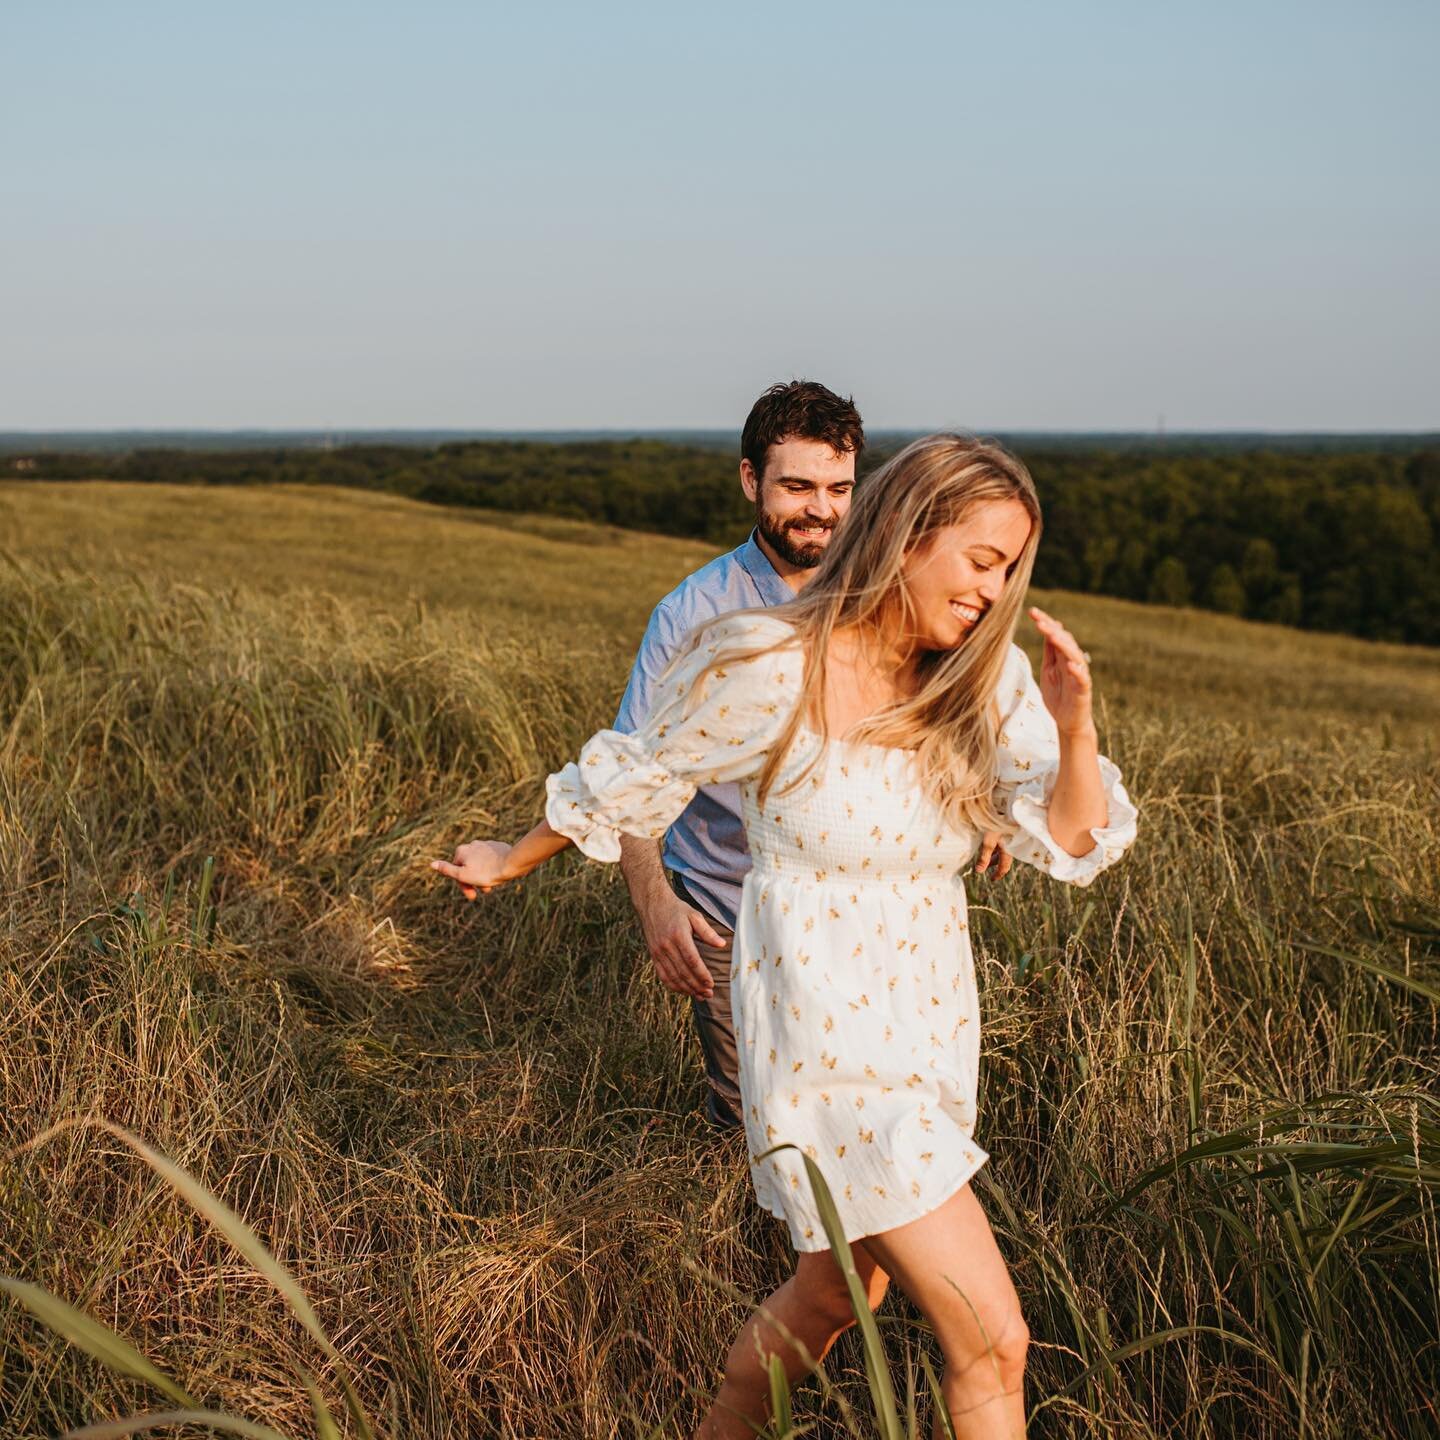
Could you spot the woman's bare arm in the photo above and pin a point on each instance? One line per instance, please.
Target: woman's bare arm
(1077, 803)
(477, 868)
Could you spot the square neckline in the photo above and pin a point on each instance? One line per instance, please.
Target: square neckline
(840, 741)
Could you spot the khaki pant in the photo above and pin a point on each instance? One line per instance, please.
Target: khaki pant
(714, 1023)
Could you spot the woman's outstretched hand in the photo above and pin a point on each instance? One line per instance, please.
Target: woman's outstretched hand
(477, 868)
(1064, 677)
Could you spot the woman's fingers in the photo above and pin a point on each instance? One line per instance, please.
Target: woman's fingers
(468, 887)
(1057, 635)
(1062, 651)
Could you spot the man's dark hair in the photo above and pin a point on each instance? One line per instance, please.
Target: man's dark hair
(800, 410)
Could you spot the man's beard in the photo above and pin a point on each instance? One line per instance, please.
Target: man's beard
(803, 554)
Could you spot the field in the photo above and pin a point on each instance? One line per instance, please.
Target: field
(473, 1133)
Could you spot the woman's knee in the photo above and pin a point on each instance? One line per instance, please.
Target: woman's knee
(981, 1346)
(1012, 1349)
(1000, 1346)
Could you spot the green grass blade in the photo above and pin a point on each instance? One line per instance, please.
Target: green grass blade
(325, 1426)
(352, 1404)
(882, 1393)
(249, 1244)
(1385, 972)
(236, 1231)
(89, 1335)
(1163, 1337)
(937, 1398)
(782, 1421)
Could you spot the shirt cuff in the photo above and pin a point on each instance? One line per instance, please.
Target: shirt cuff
(616, 787)
(1030, 809)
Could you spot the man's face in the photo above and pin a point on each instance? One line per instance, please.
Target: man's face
(800, 499)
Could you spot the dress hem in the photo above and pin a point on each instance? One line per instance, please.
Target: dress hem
(965, 1175)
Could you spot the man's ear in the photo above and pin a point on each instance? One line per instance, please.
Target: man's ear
(749, 481)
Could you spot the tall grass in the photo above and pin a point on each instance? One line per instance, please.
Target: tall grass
(472, 1133)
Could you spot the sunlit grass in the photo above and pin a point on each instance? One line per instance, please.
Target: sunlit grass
(471, 1134)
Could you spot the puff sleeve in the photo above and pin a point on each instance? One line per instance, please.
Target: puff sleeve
(713, 733)
(1027, 767)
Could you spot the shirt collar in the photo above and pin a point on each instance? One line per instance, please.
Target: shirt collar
(756, 564)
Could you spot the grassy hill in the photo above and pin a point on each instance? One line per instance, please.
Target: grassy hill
(473, 1132)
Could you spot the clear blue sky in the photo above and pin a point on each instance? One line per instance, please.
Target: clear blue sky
(1000, 215)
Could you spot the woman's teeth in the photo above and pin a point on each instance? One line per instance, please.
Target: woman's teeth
(965, 612)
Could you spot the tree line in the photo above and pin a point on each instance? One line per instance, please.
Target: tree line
(1329, 538)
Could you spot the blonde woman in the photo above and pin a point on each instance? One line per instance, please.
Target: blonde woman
(878, 725)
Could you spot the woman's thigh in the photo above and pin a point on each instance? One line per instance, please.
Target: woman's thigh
(819, 1284)
(949, 1265)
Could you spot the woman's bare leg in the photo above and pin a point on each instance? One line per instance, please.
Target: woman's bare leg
(949, 1265)
(813, 1306)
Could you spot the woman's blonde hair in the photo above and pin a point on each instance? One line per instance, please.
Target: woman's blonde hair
(950, 721)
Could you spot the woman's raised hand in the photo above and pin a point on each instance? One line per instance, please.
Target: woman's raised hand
(1064, 676)
(477, 867)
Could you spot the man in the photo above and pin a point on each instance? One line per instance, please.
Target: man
(797, 466)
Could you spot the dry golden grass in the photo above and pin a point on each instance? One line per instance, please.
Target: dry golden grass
(473, 1133)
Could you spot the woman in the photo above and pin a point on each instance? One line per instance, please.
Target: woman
(878, 725)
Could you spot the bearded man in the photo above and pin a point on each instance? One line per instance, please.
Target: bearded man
(797, 467)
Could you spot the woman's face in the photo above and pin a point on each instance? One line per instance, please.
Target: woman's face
(957, 573)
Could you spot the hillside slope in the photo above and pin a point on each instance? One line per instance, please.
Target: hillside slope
(474, 1132)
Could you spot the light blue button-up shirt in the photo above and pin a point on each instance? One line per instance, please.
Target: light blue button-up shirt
(706, 845)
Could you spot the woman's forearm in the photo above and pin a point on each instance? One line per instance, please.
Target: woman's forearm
(1077, 803)
(534, 849)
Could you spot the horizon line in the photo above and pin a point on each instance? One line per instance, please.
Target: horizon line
(1164, 432)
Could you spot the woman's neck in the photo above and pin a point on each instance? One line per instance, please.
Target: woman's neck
(865, 674)
(869, 648)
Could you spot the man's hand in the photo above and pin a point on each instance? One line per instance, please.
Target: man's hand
(993, 854)
(671, 927)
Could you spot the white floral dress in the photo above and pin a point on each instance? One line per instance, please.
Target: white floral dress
(853, 985)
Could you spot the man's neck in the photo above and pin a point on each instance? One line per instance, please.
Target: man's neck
(795, 576)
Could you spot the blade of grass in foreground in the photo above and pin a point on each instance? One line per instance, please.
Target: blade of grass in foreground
(89, 1335)
(1385, 972)
(247, 1242)
(882, 1393)
(782, 1421)
(325, 1426)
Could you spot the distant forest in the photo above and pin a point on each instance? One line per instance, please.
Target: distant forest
(1329, 538)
